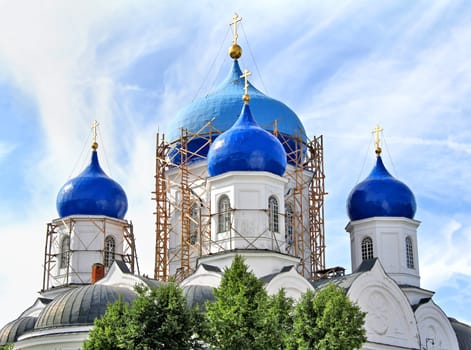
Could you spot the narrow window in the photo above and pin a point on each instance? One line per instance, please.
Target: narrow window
(273, 214)
(194, 223)
(110, 247)
(65, 252)
(409, 253)
(224, 214)
(289, 224)
(367, 248)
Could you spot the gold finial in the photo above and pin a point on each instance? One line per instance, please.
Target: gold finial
(235, 51)
(246, 97)
(376, 131)
(94, 127)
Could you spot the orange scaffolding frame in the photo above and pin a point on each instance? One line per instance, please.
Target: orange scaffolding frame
(173, 159)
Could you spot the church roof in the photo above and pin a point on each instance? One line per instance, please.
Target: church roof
(81, 306)
(345, 282)
(463, 333)
(198, 295)
(246, 147)
(14, 329)
(380, 194)
(92, 193)
(222, 107)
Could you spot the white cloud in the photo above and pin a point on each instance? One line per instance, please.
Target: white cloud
(343, 68)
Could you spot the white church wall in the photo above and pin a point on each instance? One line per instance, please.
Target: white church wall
(389, 320)
(87, 238)
(292, 282)
(436, 332)
(67, 338)
(249, 193)
(389, 236)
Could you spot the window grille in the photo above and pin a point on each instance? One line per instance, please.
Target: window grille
(273, 225)
(409, 253)
(289, 224)
(65, 252)
(367, 248)
(110, 247)
(224, 214)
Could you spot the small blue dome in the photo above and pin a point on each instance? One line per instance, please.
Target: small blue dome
(246, 147)
(92, 193)
(224, 105)
(380, 194)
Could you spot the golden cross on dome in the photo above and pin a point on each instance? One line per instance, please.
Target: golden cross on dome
(94, 127)
(246, 96)
(376, 131)
(235, 19)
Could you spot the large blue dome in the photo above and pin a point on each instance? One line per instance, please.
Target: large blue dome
(224, 105)
(246, 147)
(92, 193)
(380, 194)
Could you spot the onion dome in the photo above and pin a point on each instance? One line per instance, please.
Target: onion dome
(224, 105)
(14, 329)
(380, 194)
(92, 193)
(81, 306)
(246, 147)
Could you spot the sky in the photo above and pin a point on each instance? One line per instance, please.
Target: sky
(342, 66)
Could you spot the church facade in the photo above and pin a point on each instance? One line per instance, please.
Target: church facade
(247, 195)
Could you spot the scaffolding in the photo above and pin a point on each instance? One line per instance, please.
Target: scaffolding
(180, 185)
(53, 253)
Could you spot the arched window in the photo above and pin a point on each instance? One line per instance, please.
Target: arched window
(289, 224)
(367, 248)
(224, 214)
(273, 214)
(65, 252)
(409, 253)
(194, 223)
(110, 247)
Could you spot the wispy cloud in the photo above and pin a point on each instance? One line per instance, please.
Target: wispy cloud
(343, 68)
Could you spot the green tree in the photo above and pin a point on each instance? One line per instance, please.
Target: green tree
(240, 317)
(6, 347)
(108, 331)
(280, 313)
(158, 318)
(327, 320)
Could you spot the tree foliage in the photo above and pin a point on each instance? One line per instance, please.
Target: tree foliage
(327, 320)
(6, 347)
(109, 331)
(158, 318)
(243, 316)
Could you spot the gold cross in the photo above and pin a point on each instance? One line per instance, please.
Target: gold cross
(246, 74)
(94, 127)
(236, 18)
(376, 131)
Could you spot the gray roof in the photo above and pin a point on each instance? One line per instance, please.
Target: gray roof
(12, 330)
(267, 279)
(463, 333)
(197, 295)
(80, 306)
(345, 282)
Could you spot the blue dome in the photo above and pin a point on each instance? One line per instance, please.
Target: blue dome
(246, 147)
(380, 194)
(92, 193)
(224, 104)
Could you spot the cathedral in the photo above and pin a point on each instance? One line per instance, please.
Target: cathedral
(236, 174)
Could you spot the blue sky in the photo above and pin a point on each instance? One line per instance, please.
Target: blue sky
(342, 66)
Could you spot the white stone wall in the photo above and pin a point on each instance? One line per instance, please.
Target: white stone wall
(87, 241)
(388, 235)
